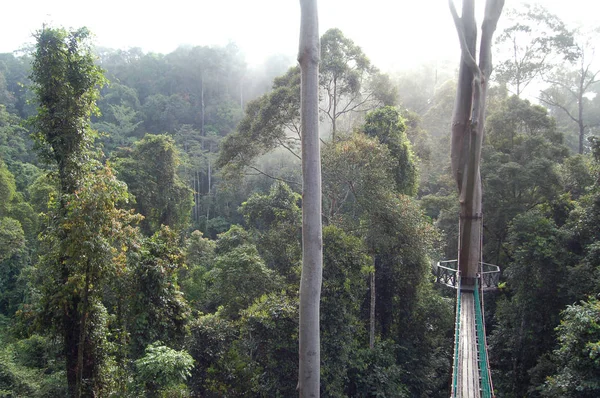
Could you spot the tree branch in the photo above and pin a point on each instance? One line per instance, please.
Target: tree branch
(260, 172)
(592, 80)
(563, 85)
(288, 148)
(337, 208)
(466, 54)
(354, 107)
(493, 9)
(551, 102)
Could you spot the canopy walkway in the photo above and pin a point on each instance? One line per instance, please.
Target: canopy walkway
(471, 376)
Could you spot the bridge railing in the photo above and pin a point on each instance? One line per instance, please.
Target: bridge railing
(487, 388)
(455, 362)
(490, 275)
(446, 272)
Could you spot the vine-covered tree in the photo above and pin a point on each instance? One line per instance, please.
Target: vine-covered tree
(387, 125)
(150, 171)
(158, 310)
(276, 221)
(66, 83)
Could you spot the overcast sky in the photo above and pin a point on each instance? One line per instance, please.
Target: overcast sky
(394, 33)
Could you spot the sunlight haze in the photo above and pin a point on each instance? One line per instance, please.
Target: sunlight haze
(394, 34)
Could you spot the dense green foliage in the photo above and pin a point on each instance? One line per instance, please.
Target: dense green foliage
(150, 171)
(154, 248)
(578, 370)
(162, 369)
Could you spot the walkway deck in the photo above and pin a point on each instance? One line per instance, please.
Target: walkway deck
(468, 377)
(471, 376)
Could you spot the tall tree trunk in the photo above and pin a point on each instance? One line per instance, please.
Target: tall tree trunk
(209, 176)
(202, 107)
(195, 208)
(70, 324)
(580, 112)
(199, 182)
(467, 128)
(581, 136)
(208, 193)
(83, 332)
(372, 310)
(334, 116)
(312, 237)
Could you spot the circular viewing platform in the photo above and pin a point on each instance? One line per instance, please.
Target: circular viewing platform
(447, 273)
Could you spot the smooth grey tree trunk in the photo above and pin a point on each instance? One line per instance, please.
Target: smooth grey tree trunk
(208, 200)
(312, 236)
(202, 107)
(197, 184)
(467, 128)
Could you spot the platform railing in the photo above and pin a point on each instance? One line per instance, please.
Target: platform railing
(490, 276)
(446, 272)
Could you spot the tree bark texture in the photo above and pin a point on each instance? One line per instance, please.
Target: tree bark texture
(312, 237)
(467, 128)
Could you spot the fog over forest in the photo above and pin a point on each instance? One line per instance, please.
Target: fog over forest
(180, 190)
(387, 31)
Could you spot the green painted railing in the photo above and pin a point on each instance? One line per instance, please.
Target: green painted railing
(456, 341)
(487, 278)
(484, 370)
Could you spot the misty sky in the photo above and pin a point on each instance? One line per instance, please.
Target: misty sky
(394, 33)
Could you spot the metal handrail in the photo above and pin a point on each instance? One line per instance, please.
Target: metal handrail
(490, 275)
(487, 388)
(456, 342)
(446, 272)
(450, 262)
(446, 275)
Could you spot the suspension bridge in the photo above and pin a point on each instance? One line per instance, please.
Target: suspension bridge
(471, 377)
